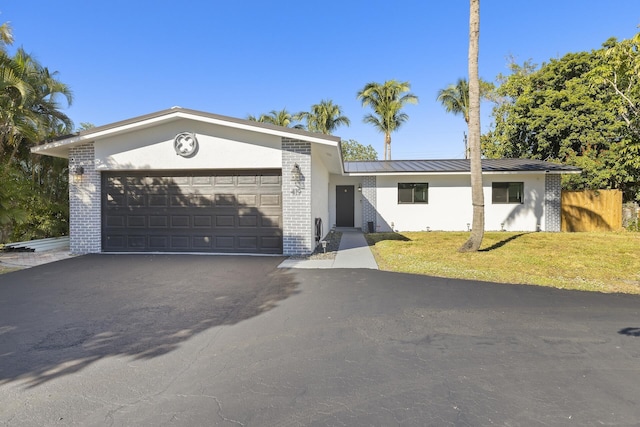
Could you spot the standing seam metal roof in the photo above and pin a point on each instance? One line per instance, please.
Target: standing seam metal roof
(455, 166)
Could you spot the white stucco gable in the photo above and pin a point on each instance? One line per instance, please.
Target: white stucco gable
(218, 147)
(146, 141)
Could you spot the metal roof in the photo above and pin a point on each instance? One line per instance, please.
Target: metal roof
(454, 166)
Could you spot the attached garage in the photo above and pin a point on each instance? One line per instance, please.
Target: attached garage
(181, 180)
(192, 211)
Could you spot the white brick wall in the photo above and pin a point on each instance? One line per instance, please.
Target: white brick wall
(296, 199)
(84, 202)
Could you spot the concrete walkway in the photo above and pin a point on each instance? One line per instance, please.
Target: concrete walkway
(354, 252)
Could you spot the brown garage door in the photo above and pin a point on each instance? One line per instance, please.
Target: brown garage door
(204, 211)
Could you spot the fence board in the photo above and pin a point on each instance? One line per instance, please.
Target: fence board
(591, 210)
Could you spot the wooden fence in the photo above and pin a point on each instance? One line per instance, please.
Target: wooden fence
(591, 210)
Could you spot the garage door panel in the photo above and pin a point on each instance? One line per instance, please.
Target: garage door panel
(158, 200)
(136, 221)
(272, 200)
(202, 242)
(248, 221)
(202, 212)
(224, 181)
(136, 242)
(202, 221)
(180, 221)
(159, 243)
(271, 221)
(158, 221)
(116, 242)
(271, 243)
(224, 243)
(247, 200)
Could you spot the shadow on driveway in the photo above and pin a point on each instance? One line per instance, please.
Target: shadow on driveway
(58, 318)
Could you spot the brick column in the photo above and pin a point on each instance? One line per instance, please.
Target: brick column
(369, 203)
(84, 202)
(297, 224)
(552, 200)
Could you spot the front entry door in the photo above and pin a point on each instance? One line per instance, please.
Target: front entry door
(344, 205)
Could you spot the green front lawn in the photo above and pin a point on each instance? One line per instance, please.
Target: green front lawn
(602, 262)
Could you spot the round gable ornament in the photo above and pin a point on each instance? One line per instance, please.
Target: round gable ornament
(185, 144)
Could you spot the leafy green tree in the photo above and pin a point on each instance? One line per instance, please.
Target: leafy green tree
(352, 150)
(279, 118)
(620, 71)
(387, 101)
(324, 117)
(477, 194)
(566, 112)
(34, 194)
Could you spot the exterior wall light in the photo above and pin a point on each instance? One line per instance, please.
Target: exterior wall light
(360, 188)
(296, 173)
(77, 173)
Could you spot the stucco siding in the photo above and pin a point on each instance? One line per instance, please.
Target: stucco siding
(449, 204)
(219, 148)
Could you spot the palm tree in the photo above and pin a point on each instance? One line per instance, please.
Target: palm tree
(455, 98)
(279, 118)
(6, 35)
(324, 117)
(387, 101)
(29, 106)
(477, 196)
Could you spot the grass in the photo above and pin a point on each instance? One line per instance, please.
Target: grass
(600, 262)
(4, 269)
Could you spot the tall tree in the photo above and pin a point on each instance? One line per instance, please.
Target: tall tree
(279, 118)
(324, 117)
(455, 99)
(567, 111)
(29, 104)
(387, 100)
(34, 203)
(477, 195)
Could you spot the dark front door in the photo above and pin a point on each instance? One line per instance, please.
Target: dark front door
(344, 205)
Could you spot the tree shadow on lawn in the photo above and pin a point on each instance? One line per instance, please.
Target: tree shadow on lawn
(58, 318)
(501, 243)
(373, 238)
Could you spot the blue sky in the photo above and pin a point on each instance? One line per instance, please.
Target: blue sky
(127, 58)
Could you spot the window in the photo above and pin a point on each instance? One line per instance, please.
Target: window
(413, 192)
(507, 192)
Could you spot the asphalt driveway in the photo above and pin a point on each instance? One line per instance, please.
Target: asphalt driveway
(223, 340)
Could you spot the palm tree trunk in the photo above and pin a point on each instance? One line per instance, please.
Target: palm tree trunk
(477, 195)
(387, 146)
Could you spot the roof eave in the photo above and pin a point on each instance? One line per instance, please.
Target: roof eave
(60, 147)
